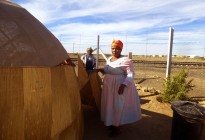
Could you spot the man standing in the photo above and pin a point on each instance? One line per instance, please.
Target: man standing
(89, 60)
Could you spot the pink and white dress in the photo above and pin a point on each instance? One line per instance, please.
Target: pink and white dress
(119, 109)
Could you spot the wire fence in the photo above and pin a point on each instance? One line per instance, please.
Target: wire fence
(149, 45)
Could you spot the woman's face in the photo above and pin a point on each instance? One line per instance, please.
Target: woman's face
(116, 51)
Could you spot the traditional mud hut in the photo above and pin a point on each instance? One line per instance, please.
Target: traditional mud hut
(24, 41)
(38, 99)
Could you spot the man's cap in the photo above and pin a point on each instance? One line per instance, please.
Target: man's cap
(89, 49)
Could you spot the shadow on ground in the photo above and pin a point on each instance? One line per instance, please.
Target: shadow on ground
(152, 126)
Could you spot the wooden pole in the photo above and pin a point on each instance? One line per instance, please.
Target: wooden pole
(97, 56)
(103, 54)
(73, 46)
(169, 56)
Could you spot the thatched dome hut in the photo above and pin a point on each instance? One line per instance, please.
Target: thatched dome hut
(24, 41)
(39, 101)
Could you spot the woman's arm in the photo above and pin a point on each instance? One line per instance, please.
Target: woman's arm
(129, 69)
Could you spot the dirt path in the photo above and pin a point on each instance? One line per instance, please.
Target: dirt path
(155, 123)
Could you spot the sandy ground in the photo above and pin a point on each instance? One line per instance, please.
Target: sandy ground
(156, 122)
(153, 76)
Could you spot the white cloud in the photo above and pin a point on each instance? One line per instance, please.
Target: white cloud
(136, 19)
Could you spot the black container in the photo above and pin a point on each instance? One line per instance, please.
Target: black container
(188, 121)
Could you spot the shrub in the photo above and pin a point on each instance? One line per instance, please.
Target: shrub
(176, 87)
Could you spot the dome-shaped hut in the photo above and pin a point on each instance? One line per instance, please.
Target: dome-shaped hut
(24, 41)
(37, 101)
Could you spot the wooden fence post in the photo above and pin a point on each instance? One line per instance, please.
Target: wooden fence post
(169, 56)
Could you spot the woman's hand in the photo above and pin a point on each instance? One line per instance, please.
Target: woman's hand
(121, 89)
(100, 70)
(69, 62)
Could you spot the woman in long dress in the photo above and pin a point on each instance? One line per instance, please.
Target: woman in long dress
(120, 102)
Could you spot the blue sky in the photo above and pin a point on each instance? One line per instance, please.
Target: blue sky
(142, 25)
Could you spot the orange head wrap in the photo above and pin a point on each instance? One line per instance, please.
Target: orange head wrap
(118, 43)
